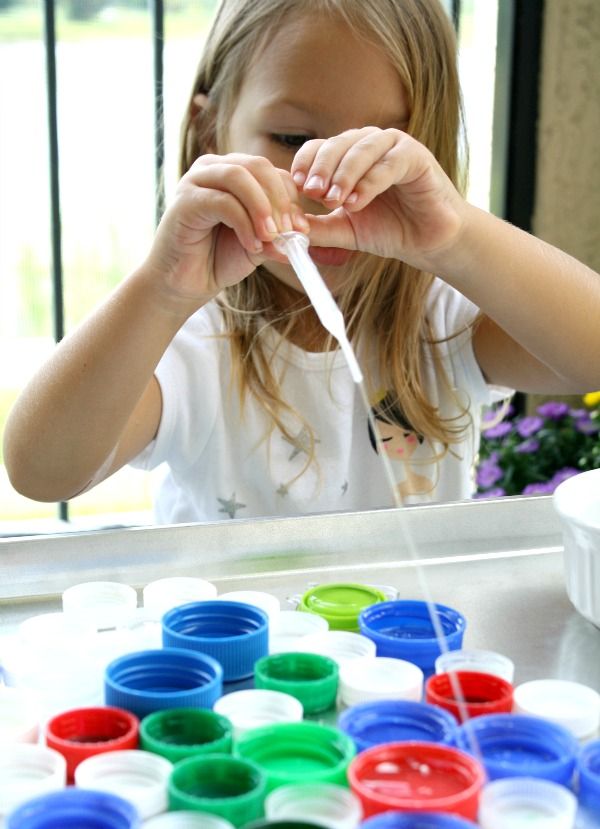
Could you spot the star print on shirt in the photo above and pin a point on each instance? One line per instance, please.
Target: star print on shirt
(231, 506)
(301, 443)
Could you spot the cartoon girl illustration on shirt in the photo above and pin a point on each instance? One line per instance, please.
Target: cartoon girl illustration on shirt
(400, 442)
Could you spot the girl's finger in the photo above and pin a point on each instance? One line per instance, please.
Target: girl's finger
(210, 207)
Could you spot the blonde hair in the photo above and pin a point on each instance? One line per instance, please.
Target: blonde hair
(387, 310)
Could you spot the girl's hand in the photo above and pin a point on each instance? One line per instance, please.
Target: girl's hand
(387, 195)
(226, 212)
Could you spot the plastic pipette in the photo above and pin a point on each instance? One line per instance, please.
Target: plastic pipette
(295, 246)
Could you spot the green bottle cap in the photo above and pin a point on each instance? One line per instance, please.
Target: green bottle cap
(303, 752)
(340, 604)
(178, 733)
(311, 678)
(232, 787)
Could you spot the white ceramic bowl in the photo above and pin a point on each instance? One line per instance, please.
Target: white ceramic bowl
(577, 503)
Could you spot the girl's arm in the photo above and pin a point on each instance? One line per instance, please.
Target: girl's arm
(389, 196)
(96, 404)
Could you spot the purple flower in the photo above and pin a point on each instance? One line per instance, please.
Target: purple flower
(541, 488)
(527, 447)
(586, 426)
(563, 474)
(495, 492)
(578, 414)
(529, 426)
(498, 431)
(553, 410)
(488, 472)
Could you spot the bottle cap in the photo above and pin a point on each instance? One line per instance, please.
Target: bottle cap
(416, 776)
(304, 752)
(310, 677)
(220, 784)
(340, 604)
(253, 707)
(178, 733)
(77, 808)
(290, 823)
(266, 602)
(149, 681)
(331, 806)
(394, 721)
(19, 716)
(480, 661)
(383, 677)
(290, 628)
(404, 629)
(233, 633)
(514, 745)
(28, 770)
(104, 604)
(417, 820)
(570, 704)
(138, 776)
(163, 594)
(468, 694)
(589, 777)
(341, 645)
(522, 802)
(184, 819)
(83, 732)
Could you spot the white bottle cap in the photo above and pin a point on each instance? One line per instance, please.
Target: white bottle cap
(187, 820)
(136, 775)
(105, 604)
(19, 716)
(27, 771)
(327, 804)
(341, 645)
(381, 677)
(570, 704)
(480, 661)
(291, 627)
(525, 802)
(253, 707)
(264, 601)
(164, 594)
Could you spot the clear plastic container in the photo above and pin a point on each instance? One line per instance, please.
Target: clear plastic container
(525, 802)
(137, 776)
(570, 704)
(164, 594)
(253, 707)
(331, 806)
(363, 680)
(290, 629)
(480, 661)
(27, 771)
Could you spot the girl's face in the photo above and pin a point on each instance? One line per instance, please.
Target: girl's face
(313, 79)
(399, 443)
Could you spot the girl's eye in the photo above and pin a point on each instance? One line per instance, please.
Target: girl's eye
(290, 142)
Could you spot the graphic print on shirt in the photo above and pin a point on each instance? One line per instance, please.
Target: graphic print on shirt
(230, 506)
(402, 444)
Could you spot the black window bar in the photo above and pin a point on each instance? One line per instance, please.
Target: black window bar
(156, 10)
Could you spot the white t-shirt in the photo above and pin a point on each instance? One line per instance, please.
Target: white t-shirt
(223, 462)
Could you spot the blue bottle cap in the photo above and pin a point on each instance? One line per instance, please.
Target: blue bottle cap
(416, 820)
(390, 721)
(516, 745)
(234, 633)
(404, 629)
(589, 777)
(75, 809)
(146, 681)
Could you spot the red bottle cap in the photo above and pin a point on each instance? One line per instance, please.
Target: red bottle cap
(481, 694)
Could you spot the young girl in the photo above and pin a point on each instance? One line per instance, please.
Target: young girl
(339, 119)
